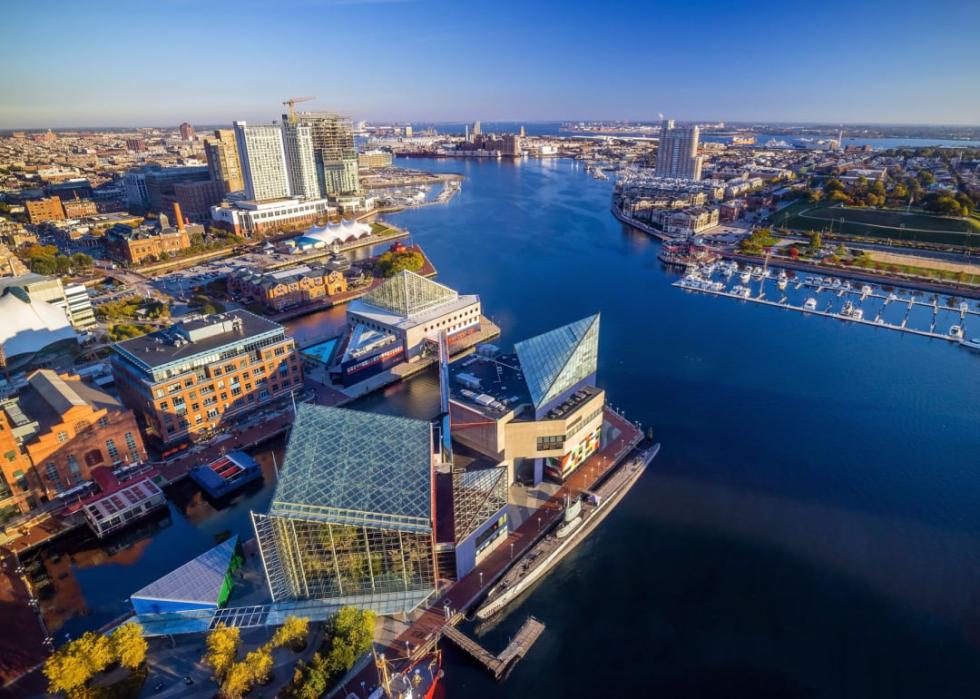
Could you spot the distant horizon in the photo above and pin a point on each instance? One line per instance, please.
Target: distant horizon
(114, 62)
(568, 120)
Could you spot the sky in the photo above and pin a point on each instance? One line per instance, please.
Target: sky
(66, 63)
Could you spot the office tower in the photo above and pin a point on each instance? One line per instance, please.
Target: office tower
(333, 150)
(300, 160)
(186, 132)
(223, 164)
(263, 161)
(677, 155)
(476, 128)
(522, 133)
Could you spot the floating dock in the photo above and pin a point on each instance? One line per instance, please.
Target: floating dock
(901, 310)
(498, 665)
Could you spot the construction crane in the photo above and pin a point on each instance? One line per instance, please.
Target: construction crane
(292, 102)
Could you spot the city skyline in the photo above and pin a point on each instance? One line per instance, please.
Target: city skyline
(417, 61)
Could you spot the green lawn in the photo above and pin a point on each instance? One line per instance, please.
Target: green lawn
(915, 226)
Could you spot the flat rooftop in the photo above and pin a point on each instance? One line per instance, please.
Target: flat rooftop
(491, 385)
(193, 337)
(496, 385)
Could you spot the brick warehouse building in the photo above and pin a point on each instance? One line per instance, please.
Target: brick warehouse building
(67, 428)
(188, 380)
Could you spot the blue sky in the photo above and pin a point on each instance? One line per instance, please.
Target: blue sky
(139, 62)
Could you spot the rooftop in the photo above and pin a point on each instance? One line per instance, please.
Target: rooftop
(556, 360)
(407, 294)
(350, 467)
(201, 579)
(194, 337)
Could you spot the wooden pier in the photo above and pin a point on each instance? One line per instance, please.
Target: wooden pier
(498, 665)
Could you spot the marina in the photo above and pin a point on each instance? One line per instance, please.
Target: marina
(926, 314)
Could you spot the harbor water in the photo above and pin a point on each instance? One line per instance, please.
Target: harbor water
(811, 526)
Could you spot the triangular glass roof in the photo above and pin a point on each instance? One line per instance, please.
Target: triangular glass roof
(199, 580)
(356, 468)
(408, 293)
(559, 359)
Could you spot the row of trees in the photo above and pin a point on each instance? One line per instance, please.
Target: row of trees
(44, 259)
(350, 634)
(71, 668)
(236, 677)
(911, 189)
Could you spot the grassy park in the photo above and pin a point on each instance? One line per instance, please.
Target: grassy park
(895, 224)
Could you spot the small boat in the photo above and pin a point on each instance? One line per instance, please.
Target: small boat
(811, 304)
(848, 309)
(866, 290)
(964, 307)
(836, 283)
(893, 296)
(956, 332)
(746, 276)
(782, 282)
(972, 344)
(857, 314)
(746, 292)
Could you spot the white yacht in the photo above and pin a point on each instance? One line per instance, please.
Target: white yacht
(746, 292)
(848, 309)
(782, 281)
(964, 307)
(746, 276)
(973, 344)
(956, 332)
(866, 290)
(811, 304)
(857, 314)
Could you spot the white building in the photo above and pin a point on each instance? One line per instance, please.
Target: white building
(257, 217)
(263, 161)
(300, 161)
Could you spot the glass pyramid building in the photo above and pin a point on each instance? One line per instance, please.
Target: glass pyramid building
(408, 294)
(559, 359)
(351, 516)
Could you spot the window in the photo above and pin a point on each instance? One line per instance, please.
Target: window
(73, 466)
(62, 436)
(11, 455)
(130, 441)
(81, 427)
(52, 472)
(94, 457)
(110, 446)
(555, 442)
(104, 421)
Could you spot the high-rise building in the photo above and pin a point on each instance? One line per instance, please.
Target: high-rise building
(677, 154)
(47, 209)
(223, 163)
(333, 150)
(300, 160)
(186, 132)
(476, 131)
(263, 161)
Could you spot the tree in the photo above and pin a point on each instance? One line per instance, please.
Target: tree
(815, 196)
(309, 681)
(71, 667)
(352, 631)
(292, 631)
(128, 645)
(66, 672)
(816, 242)
(259, 662)
(238, 680)
(222, 649)
(392, 262)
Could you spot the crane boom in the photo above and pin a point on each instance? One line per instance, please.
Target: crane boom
(291, 103)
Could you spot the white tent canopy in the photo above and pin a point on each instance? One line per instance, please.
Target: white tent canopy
(342, 232)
